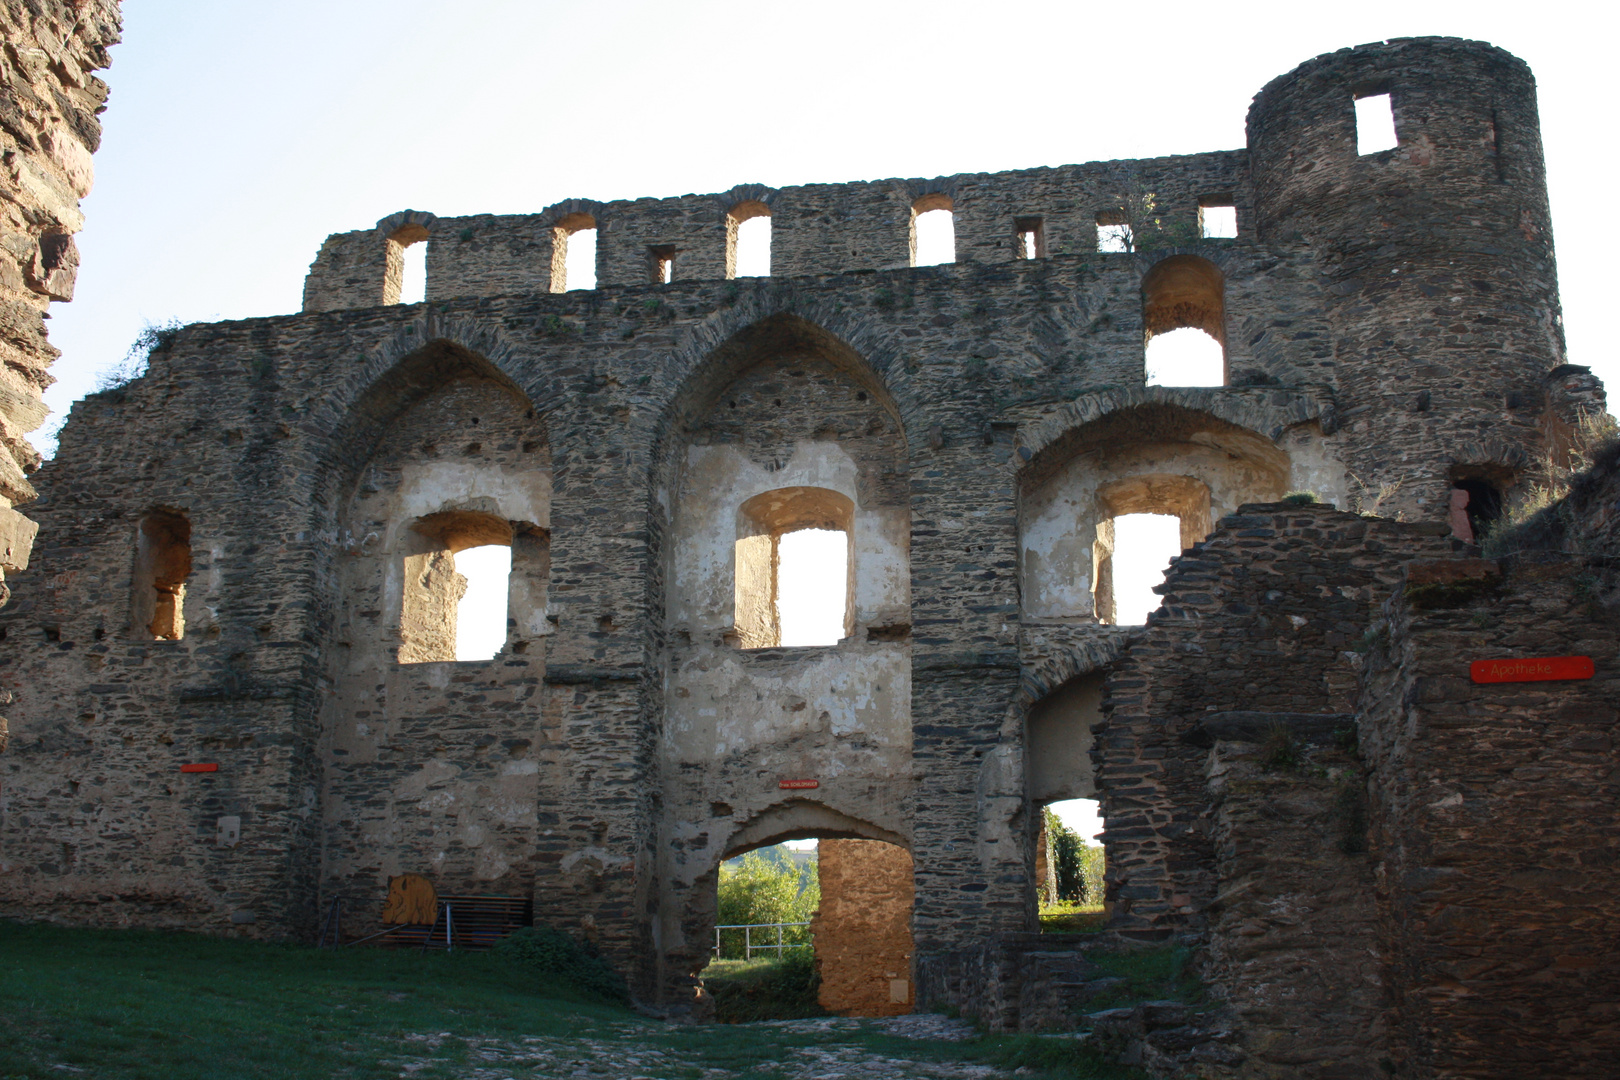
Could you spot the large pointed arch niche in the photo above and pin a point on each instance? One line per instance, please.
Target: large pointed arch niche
(785, 407)
(458, 459)
(1156, 458)
(428, 761)
(783, 428)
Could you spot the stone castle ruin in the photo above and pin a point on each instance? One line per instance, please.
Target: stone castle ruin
(247, 559)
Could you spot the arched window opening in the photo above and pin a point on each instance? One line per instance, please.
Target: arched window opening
(661, 264)
(1217, 217)
(1375, 122)
(573, 253)
(1147, 520)
(933, 231)
(1184, 323)
(481, 614)
(841, 903)
(431, 614)
(748, 240)
(793, 583)
(1031, 233)
(1061, 786)
(162, 564)
(405, 277)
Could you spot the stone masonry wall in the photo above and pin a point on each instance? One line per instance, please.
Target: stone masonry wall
(1493, 821)
(50, 106)
(1438, 252)
(862, 930)
(815, 229)
(1260, 617)
(1292, 929)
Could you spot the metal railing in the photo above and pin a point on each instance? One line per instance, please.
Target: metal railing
(748, 938)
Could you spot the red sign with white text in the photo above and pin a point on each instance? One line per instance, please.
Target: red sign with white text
(206, 766)
(798, 785)
(1537, 669)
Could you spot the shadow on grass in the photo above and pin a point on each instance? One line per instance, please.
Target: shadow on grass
(136, 1004)
(145, 1005)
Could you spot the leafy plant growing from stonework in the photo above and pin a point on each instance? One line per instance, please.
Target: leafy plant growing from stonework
(1138, 224)
(154, 337)
(1279, 751)
(1595, 431)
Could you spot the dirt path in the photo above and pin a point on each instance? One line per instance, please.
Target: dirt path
(822, 1049)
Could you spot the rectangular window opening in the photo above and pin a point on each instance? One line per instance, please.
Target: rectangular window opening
(1217, 219)
(661, 264)
(1069, 866)
(481, 611)
(1113, 232)
(162, 565)
(413, 280)
(1375, 124)
(811, 586)
(751, 257)
(580, 262)
(933, 236)
(1139, 548)
(1031, 237)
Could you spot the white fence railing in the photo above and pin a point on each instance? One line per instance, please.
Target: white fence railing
(748, 938)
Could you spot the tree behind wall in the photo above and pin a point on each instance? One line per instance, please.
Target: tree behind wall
(763, 887)
(1079, 865)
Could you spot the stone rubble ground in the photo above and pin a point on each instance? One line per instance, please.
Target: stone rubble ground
(626, 1053)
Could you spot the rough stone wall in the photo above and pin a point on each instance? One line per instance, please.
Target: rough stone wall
(50, 124)
(862, 930)
(1293, 923)
(1493, 821)
(1262, 616)
(432, 766)
(362, 269)
(1426, 302)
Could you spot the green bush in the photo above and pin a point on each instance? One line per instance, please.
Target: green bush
(551, 952)
(774, 989)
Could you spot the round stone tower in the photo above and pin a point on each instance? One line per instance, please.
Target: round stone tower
(1437, 257)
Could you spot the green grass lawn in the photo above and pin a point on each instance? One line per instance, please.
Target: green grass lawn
(137, 1004)
(1068, 917)
(141, 1005)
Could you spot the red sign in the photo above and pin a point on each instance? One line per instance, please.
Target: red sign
(797, 785)
(207, 766)
(1537, 669)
